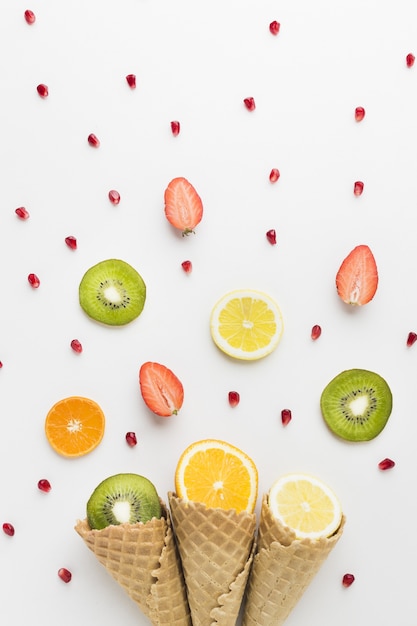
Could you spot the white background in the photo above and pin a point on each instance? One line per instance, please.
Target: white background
(195, 62)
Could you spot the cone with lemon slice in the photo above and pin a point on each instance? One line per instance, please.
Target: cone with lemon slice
(214, 522)
(301, 522)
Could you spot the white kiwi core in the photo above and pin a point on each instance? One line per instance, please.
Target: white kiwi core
(112, 294)
(121, 511)
(359, 405)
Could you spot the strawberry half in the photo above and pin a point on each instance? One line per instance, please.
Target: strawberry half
(183, 205)
(161, 390)
(357, 278)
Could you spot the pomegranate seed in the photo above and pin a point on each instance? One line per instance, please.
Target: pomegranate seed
(315, 332)
(286, 416)
(22, 213)
(64, 574)
(271, 235)
(8, 529)
(175, 127)
(358, 188)
(250, 104)
(359, 114)
(347, 580)
(114, 196)
(234, 398)
(43, 90)
(93, 140)
(44, 485)
(386, 464)
(274, 27)
(131, 81)
(412, 338)
(131, 439)
(30, 16)
(71, 242)
(409, 59)
(76, 346)
(34, 281)
(187, 266)
(1, 364)
(274, 175)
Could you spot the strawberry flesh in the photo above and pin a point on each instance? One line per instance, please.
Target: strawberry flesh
(161, 390)
(183, 205)
(357, 278)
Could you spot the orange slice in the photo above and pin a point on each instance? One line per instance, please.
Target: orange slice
(217, 474)
(74, 426)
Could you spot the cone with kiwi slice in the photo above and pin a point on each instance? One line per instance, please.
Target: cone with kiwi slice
(112, 292)
(287, 559)
(128, 528)
(356, 404)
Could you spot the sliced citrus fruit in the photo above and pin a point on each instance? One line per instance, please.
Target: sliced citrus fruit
(246, 324)
(74, 426)
(306, 505)
(217, 474)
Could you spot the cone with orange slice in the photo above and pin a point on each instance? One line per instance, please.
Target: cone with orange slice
(141, 556)
(214, 522)
(301, 522)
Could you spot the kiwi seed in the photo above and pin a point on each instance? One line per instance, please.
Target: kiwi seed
(123, 498)
(112, 292)
(356, 404)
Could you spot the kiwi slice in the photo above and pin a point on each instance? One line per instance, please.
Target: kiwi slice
(123, 498)
(112, 292)
(356, 404)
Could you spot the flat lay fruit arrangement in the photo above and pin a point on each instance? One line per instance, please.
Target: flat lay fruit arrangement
(209, 325)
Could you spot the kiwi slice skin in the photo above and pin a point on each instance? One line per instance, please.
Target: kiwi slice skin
(135, 493)
(112, 292)
(356, 404)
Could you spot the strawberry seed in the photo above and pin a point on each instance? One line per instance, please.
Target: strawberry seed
(234, 398)
(386, 464)
(274, 175)
(64, 574)
(44, 485)
(8, 529)
(347, 580)
(30, 16)
(286, 416)
(250, 103)
(175, 128)
(71, 242)
(274, 27)
(358, 188)
(271, 235)
(131, 439)
(34, 281)
(22, 213)
(131, 81)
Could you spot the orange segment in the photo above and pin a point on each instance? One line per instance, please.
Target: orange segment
(74, 426)
(218, 475)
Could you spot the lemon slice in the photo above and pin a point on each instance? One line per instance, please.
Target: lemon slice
(217, 474)
(306, 505)
(246, 324)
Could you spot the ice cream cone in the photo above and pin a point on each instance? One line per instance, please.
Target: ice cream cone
(283, 567)
(216, 547)
(143, 559)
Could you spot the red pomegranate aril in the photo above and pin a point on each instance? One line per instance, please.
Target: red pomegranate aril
(250, 103)
(274, 27)
(114, 196)
(43, 90)
(271, 235)
(131, 438)
(234, 398)
(315, 332)
(358, 188)
(359, 114)
(1, 364)
(8, 529)
(347, 580)
(187, 266)
(386, 464)
(274, 175)
(286, 416)
(409, 59)
(71, 242)
(44, 485)
(175, 128)
(30, 16)
(64, 574)
(76, 346)
(34, 281)
(22, 213)
(412, 338)
(131, 81)
(93, 140)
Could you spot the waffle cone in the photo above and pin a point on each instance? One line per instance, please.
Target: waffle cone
(283, 567)
(216, 547)
(144, 560)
